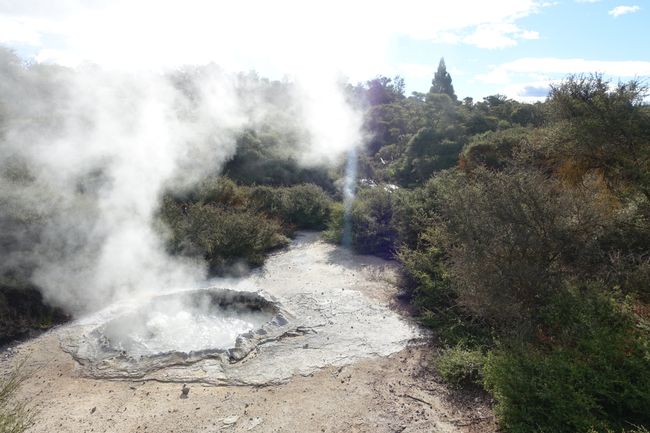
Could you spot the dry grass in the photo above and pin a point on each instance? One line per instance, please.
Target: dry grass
(15, 416)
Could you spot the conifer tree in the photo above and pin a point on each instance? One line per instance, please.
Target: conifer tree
(441, 82)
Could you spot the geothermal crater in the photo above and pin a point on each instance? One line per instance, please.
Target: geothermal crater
(188, 322)
(321, 306)
(181, 328)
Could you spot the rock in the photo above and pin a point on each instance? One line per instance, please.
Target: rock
(184, 391)
(230, 420)
(92, 411)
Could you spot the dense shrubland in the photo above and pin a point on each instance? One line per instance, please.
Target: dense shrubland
(522, 231)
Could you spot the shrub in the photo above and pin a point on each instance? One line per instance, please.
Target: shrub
(224, 236)
(371, 220)
(493, 149)
(604, 127)
(334, 227)
(512, 237)
(589, 369)
(225, 223)
(460, 366)
(219, 190)
(303, 206)
(308, 206)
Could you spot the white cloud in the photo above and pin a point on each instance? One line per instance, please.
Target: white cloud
(549, 66)
(529, 91)
(623, 10)
(499, 35)
(279, 36)
(492, 36)
(526, 79)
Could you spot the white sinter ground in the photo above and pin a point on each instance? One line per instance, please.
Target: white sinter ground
(337, 300)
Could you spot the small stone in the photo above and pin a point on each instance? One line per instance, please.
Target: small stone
(184, 391)
(93, 410)
(230, 420)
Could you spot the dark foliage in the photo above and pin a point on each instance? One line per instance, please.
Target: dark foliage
(228, 225)
(531, 244)
(23, 311)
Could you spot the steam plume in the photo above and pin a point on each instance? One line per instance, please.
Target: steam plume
(87, 154)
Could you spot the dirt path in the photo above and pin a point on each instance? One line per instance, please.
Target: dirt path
(395, 393)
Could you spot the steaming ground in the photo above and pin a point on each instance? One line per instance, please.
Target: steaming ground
(362, 368)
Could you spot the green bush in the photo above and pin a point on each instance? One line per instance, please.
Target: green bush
(302, 206)
(460, 366)
(513, 237)
(425, 266)
(371, 223)
(493, 149)
(589, 369)
(224, 223)
(219, 190)
(308, 206)
(371, 220)
(223, 236)
(334, 227)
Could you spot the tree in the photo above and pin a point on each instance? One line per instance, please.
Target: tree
(442, 81)
(384, 90)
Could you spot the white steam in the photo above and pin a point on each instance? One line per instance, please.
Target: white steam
(87, 154)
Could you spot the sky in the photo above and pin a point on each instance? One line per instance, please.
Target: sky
(512, 47)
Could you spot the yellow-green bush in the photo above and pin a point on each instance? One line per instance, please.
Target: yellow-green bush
(460, 366)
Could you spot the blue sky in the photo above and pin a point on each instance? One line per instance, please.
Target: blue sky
(512, 47)
(573, 37)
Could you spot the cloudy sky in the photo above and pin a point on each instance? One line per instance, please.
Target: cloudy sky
(513, 47)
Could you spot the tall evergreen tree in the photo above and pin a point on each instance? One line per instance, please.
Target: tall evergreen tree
(441, 82)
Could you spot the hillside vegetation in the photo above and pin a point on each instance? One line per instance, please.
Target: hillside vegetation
(523, 233)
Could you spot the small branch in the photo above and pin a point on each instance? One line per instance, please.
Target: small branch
(417, 399)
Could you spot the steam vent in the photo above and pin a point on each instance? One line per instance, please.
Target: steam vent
(180, 329)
